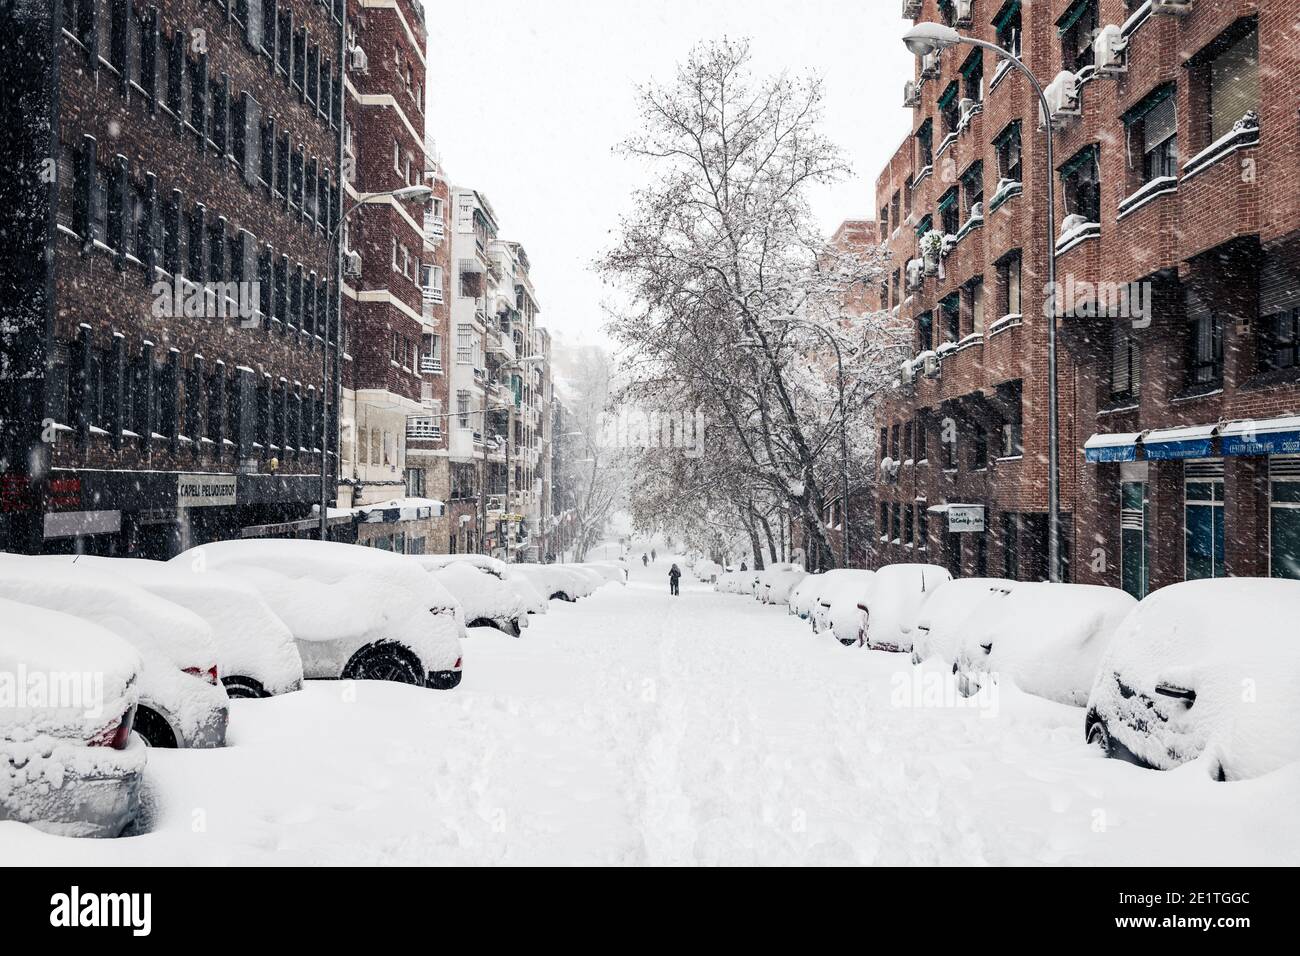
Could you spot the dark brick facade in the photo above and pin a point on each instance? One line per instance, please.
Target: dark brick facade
(1214, 241)
(188, 142)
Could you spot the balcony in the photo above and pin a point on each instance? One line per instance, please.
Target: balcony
(426, 428)
(431, 364)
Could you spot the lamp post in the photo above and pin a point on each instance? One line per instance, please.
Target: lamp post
(926, 38)
(406, 193)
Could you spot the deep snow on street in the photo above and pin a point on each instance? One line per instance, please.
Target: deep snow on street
(637, 728)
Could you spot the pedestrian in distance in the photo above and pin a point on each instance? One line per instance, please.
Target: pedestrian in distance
(653, 556)
(743, 566)
(645, 560)
(674, 575)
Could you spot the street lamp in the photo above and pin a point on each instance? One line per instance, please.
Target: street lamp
(926, 38)
(420, 194)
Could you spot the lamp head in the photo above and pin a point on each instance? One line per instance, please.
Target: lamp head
(926, 38)
(413, 193)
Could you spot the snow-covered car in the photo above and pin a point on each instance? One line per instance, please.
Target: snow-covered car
(937, 628)
(837, 604)
(534, 600)
(256, 654)
(614, 572)
(735, 581)
(896, 594)
(356, 613)
(486, 598)
(181, 700)
(776, 583)
(1208, 669)
(69, 764)
(803, 596)
(559, 582)
(1047, 638)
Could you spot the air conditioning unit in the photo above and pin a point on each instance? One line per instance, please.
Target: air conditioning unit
(1175, 7)
(963, 10)
(911, 93)
(932, 365)
(1111, 51)
(912, 9)
(358, 61)
(1062, 96)
(352, 264)
(930, 63)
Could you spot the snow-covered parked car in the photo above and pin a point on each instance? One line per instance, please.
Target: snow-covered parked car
(897, 593)
(937, 628)
(1047, 638)
(735, 581)
(614, 572)
(486, 598)
(706, 571)
(356, 613)
(559, 582)
(256, 654)
(68, 762)
(803, 596)
(1207, 669)
(181, 700)
(837, 604)
(776, 583)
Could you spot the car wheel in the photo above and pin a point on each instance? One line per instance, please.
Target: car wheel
(153, 728)
(561, 596)
(1099, 736)
(244, 688)
(847, 642)
(384, 662)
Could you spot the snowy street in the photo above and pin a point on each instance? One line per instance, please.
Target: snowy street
(636, 728)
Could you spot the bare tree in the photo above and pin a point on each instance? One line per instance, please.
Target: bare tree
(719, 255)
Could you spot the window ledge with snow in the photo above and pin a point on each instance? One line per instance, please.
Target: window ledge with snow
(975, 338)
(1160, 186)
(1076, 236)
(1004, 323)
(971, 224)
(1243, 136)
(947, 348)
(1000, 71)
(921, 175)
(947, 143)
(1007, 189)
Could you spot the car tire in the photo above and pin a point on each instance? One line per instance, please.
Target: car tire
(244, 688)
(384, 662)
(561, 596)
(847, 642)
(153, 728)
(1097, 735)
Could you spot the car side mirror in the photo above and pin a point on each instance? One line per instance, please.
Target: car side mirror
(1187, 696)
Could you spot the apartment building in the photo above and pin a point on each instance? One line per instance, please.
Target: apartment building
(387, 306)
(1177, 240)
(170, 177)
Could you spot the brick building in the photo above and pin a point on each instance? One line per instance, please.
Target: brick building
(385, 305)
(1178, 304)
(170, 176)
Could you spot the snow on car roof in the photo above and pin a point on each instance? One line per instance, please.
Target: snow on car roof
(481, 595)
(149, 623)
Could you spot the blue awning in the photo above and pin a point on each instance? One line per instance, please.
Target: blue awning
(1174, 444)
(1272, 436)
(1106, 448)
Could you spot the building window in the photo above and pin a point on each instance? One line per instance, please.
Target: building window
(979, 452)
(462, 408)
(907, 524)
(1078, 29)
(1152, 131)
(974, 293)
(1007, 25)
(1206, 342)
(464, 345)
(972, 188)
(1284, 517)
(1135, 509)
(1279, 321)
(1203, 520)
(1011, 444)
(950, 109)
(1009, 280)
(1233, 82)
(925, 145)
(1007, 144)
(949, 214)
(1125, 364)
(922, 527)
(925, 331)
(1081, 183)
(950, 310)
(972, 73)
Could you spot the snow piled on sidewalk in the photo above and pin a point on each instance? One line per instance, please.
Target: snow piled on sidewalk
(637, 728)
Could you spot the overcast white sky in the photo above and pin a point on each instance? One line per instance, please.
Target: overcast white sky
(527, 97)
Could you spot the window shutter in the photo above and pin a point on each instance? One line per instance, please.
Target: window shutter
(194, 402)
(253, 24)
(169, 406)
(251, 122)
(149, 57)
(1234, 84)
(1160, 123)
(217, 411)
(266, 285)
(114, 384)
(123, 13)
(176, 77)
(246, 418)
(117, 210)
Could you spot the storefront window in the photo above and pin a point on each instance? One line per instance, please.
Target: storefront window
(1284, 518)
(1134, 513)
(1204, 525)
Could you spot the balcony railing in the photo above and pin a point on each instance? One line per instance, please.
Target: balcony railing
(423, 427)
(431, 364)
